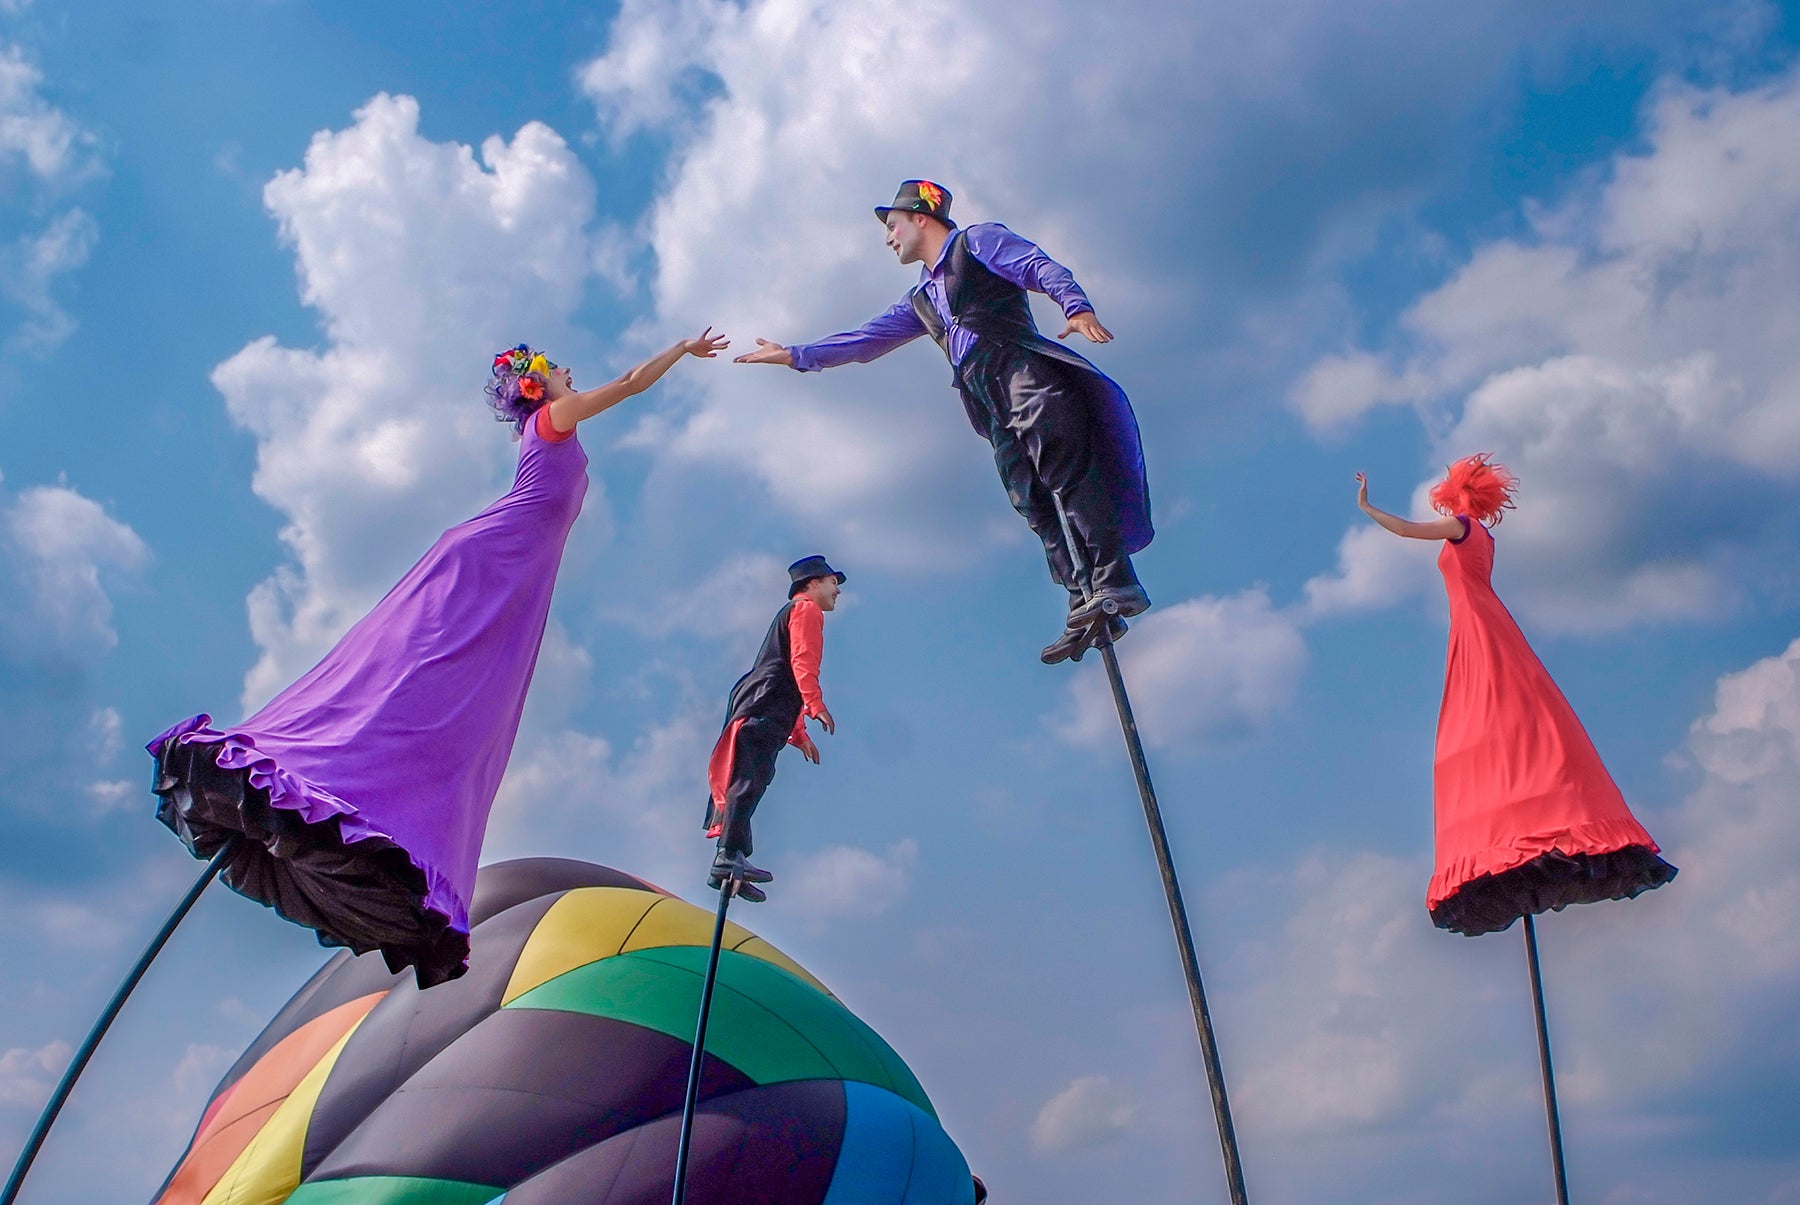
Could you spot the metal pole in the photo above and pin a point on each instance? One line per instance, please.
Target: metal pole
(88, 1045)
(727, 889)
(1159, 840)
(1543, 1037)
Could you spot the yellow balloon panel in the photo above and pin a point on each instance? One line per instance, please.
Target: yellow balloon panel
(268, 1171)
(591, 923)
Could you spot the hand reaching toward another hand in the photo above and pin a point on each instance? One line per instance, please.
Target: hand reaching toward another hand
(767, 353)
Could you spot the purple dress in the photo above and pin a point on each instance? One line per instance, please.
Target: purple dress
(361, 792)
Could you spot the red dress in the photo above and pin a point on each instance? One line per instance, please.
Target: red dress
(1527, 818)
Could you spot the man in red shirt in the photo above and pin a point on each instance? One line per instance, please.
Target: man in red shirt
(768, 709)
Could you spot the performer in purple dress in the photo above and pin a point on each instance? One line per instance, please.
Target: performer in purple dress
(360, 794)
(1059, 426)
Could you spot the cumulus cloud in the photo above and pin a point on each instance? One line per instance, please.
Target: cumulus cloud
(730, 602)
(29, 270)
(26, 1076)
(1629, 360)
(34, 134)
(61, 551)
(848, 881)
(44, 155)
(636, 807)
(785, 125)
(419, 257)
(1088, 1112)
(1201, 671)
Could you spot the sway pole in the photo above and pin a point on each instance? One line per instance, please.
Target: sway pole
(1543, 1038)
(1165, 863)
(76, 1065)
(727, 889)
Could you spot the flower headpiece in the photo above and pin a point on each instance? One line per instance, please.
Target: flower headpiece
(517, 389)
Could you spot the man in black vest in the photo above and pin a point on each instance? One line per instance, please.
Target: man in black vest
(768, 709)
(1058, 425)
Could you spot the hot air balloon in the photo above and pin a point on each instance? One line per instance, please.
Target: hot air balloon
(552, 1073)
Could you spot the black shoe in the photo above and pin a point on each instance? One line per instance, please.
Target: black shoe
(1077, 640)
(726, 865)
(751, 892)
(1123, 603)
(1069, 646)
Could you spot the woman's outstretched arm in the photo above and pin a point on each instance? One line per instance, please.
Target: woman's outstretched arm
(571, 408)
(1445, 528)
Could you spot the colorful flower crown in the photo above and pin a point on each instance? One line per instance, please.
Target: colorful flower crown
(518, 385)
(521, 360)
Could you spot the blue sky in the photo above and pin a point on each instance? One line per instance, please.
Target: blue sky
(254, 258)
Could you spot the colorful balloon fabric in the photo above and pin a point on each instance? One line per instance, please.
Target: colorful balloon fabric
(553, 1073)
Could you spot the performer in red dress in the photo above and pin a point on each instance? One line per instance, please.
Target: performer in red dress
(1527, 818)
(768, 709)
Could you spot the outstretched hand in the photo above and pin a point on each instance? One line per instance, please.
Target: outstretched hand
(1087, 326)
(1362, 490)
(767, 353)
(808, 750)
(707, 345)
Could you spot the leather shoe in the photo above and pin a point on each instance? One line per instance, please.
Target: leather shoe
(1077, 640)
(727, 865)
(1127, 602)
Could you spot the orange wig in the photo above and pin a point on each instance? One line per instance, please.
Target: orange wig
(1477, 487)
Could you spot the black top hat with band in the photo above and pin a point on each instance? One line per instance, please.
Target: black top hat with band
(920, 196)
(806, 569)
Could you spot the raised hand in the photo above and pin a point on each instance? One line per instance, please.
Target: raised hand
(767, 353)
(1087, 326)
(1362, 491)
(707, 345)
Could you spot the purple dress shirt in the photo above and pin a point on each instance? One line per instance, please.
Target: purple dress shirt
(1002, 252)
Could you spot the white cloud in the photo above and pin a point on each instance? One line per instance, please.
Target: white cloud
(35, 133)
(26, 1076)
(1375, 569)
(1088, 1112)
(847, 881)
(1360, 1018)
(55, 156)
(789, 119)
(60, 549)
(419, 258)
(1200, 671)
(1341, 388)
(636, 808)
(732, 602)
(29, 270)
(1632, 361)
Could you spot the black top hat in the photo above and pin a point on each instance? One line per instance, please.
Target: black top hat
(806, 569)
(920, 196)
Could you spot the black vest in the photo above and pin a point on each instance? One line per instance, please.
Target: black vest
(998, 313)
(982, 302)
(769, 690)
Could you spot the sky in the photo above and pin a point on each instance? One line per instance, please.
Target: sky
(255, 256)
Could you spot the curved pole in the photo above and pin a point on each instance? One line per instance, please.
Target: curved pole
(88, 1044)
(1165, 863)
(727, 889)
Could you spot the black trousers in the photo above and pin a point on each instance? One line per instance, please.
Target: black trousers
(1041, 424)
(759, 742)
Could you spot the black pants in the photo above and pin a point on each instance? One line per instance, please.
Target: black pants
(1041, 424)
(759, 742)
